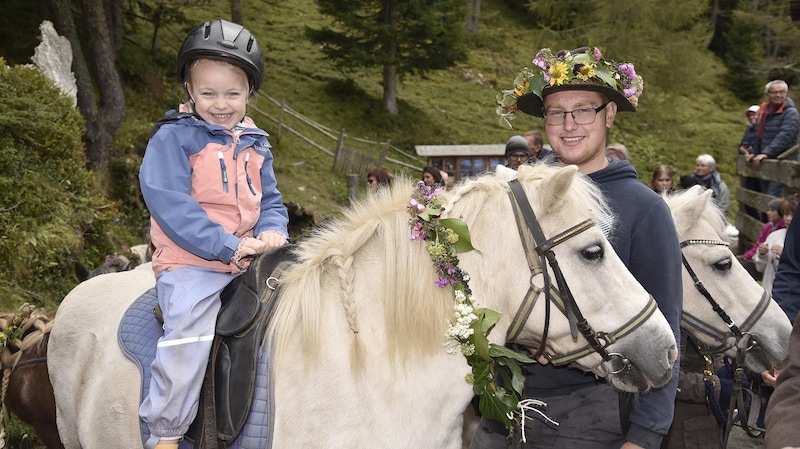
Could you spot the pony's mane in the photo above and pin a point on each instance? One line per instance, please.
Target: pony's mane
(711, 214)
(366, 259)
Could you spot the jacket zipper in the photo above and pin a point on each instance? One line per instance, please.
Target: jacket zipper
(247, 174)
(224, 172)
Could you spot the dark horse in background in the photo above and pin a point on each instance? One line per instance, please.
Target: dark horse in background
(29, 394)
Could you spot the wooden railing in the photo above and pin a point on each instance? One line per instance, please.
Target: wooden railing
(785, 170)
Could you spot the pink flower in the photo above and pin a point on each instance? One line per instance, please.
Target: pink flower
(597, 55)
(420, 207)
(628, 70)
(538, 61)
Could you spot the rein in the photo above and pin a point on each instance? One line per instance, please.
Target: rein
(743, 340)
(539, 253)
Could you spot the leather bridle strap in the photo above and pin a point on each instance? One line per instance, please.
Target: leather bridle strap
(544, 250)
(698, 324)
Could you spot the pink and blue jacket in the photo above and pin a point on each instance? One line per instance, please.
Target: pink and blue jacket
(207, 188)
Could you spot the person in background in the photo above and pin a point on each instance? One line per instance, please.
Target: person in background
(536, 145)
(431, 176)
(445, 177)
(774, 222)
(768, 254)
(706, 175)
(783, 413)
(778, 125)
(617, 151)
(208, 182)
(578, 109)
(663, 179)
(749, 138)
(378, 178)
(517, 151)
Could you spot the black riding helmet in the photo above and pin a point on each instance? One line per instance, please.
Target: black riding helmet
(225, 41)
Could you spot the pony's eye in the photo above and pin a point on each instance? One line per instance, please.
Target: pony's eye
(594, 252)
(723, 265)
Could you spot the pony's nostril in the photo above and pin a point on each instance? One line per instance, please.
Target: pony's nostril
(672, 355)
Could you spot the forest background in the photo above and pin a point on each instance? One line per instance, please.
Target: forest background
(68, 176)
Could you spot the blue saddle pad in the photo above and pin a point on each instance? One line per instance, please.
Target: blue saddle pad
(138, 335)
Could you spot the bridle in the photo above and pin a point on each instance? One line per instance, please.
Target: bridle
(539, 254)
(743, 340)
(737, 333)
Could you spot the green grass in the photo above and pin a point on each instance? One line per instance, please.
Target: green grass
(447, 107)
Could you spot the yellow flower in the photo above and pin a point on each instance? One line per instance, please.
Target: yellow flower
(520, 90)
(586, 72)
(558, 73)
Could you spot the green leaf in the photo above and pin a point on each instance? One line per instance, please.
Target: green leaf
(430, 212)
(502, 351)
(464, 243)
(604, 73)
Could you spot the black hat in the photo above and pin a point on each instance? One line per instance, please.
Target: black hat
(517, 144)
(580, 69)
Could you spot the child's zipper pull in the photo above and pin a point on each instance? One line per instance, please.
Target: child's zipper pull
(249, 181)
(224, 172)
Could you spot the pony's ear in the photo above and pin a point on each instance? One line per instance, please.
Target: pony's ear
(505, 173)
(690, 212)
(555, 188)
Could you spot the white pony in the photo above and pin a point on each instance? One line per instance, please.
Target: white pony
(358, 358)
(701, 229)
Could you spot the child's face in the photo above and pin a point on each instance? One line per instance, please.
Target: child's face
(219, 90)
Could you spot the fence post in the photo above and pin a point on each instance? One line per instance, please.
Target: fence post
(352, 187)
(280, 119)
(339, 144)
(382, 160)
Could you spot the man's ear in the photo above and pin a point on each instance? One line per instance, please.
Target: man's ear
(611, 114)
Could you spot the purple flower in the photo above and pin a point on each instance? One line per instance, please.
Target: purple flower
(597, 55)
(628, 70)
(413, 202)
(442, 282)
(562, 54)
(577, 68)
(629, 92)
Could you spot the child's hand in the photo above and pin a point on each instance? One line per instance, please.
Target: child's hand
(251, 247)
(272, 239)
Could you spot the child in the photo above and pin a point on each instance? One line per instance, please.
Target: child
(208, 183)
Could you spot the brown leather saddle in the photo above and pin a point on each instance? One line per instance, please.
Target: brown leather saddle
(229, 383)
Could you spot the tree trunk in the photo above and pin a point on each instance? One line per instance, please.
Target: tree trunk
(237, 13)
(390, 88)
(473, 16)
(102, 119)
(390, 68)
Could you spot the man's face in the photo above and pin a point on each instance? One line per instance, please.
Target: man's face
(751, 117)
(581, 145)
(535, 148)
(776, 94)
(516, 159)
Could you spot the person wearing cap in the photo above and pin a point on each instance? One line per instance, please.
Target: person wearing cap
(517, 151)
(749, 138)
(571, 91)
(208, 182)
(617, 150)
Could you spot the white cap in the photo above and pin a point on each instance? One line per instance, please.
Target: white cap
(753, 108)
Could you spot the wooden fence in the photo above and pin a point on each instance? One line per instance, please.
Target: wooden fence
(350, 155)
(785, 170)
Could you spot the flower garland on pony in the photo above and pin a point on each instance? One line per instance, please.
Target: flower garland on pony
(468, 331)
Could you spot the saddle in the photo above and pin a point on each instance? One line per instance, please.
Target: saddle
(229, 382)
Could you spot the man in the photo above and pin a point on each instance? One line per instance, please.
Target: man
(783, 414)
(578, 108)
(517, 151)
(776, 132)
(536, 146)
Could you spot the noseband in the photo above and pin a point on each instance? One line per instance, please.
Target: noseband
(539, 254)
(737, 333)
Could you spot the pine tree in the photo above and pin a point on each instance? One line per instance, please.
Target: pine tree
(398, 36)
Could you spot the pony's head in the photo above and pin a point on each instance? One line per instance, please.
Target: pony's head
(613, 303)
(742, 300)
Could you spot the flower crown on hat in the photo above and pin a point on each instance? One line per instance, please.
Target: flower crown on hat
(582, 66)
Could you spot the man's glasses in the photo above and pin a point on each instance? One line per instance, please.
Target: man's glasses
(518, 156)
(582, 116)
